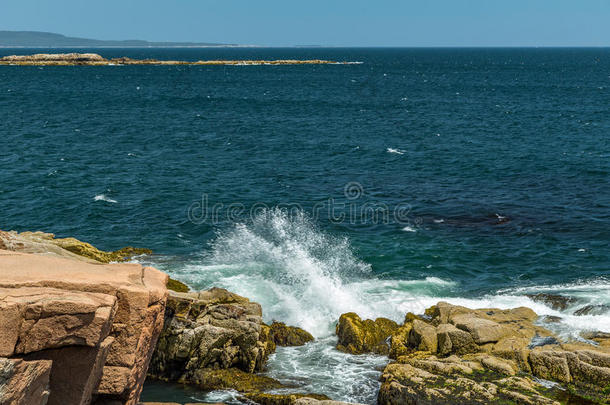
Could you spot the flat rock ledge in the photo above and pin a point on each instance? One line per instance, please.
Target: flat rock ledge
(456, 355)
(93, 59)
(74, 332)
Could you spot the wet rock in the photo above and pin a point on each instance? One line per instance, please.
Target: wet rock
(555, 301)
(592, 310)
(283, 335)
(551, 319)
(359, 336)
(542, 341)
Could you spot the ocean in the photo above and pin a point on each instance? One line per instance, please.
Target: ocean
(474, 176)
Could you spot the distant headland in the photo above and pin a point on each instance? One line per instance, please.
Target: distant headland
(37, 39)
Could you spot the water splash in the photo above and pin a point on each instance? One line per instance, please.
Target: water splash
(302, 275)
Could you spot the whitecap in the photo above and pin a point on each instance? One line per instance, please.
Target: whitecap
(104, 197)
(409, 229)
(397, 151)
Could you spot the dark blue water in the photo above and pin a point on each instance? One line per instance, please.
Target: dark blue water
(497, 162)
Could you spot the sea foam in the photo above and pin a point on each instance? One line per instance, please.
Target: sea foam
(104, 197)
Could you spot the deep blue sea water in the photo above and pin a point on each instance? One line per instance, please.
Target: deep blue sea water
(470, 175)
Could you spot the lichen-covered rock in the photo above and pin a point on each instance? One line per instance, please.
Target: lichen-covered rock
(284, 335)
(493, 357)
(359, 336)
(422, 379)
(399, 341)
(210, 330)
(482, 330)
(46, 244)
(452, 340)
(423, 336)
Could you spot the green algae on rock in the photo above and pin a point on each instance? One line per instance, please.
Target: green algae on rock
(284, 335)
(357, 336)
(48, 244)
(177, 286)
(283, 399)
(232, 378)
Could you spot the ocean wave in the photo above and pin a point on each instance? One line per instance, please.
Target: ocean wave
(104, 197)
(396, 151)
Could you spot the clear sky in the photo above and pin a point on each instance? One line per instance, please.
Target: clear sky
(322, 22)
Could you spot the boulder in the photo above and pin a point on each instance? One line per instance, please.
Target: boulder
(452, 340)
(592, 310)
(555, 301)
(359, 336)
(210, 330)
(283, 335)
(482, 330)
(423, 336)
(97, 323)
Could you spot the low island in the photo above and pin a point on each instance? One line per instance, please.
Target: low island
(94, 59)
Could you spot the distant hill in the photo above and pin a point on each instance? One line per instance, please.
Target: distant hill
(36, 39)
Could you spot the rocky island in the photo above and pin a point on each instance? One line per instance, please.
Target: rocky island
(93, 59)
(78, 329)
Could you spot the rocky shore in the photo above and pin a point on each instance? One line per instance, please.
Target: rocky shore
(93, 59)
(75, 329)
(456, 355)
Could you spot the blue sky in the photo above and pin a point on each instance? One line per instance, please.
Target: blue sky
(322, 22)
